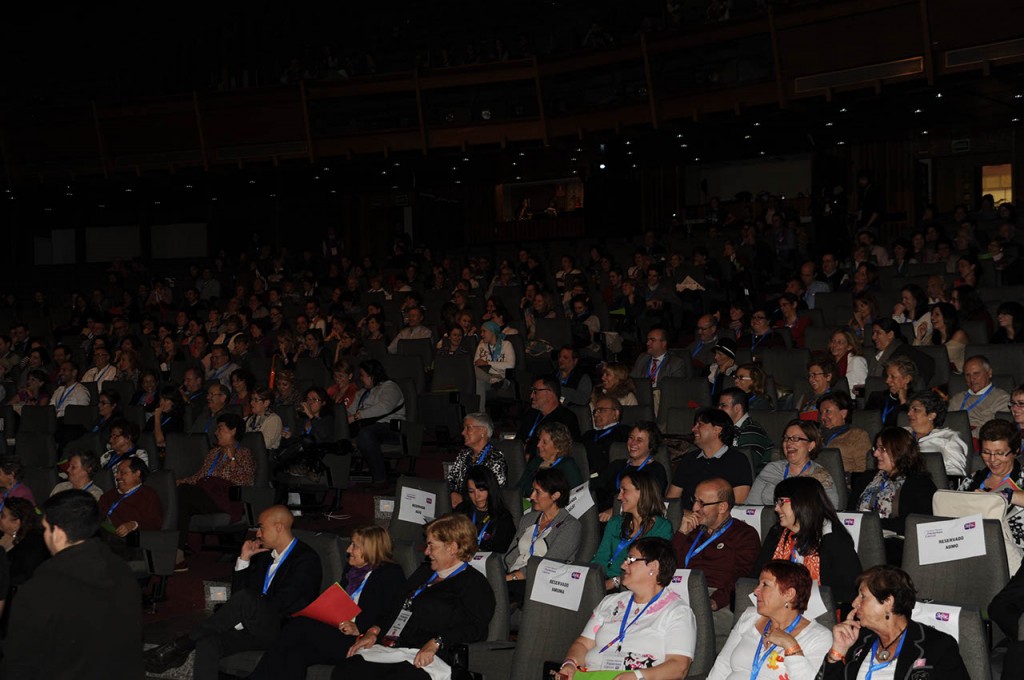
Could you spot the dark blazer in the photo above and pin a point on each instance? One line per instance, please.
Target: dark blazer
(458, 608)
(599, 450)
(915, 497)
(877, 401)
(925, 364)
(561, 414)
(382, 597)
(295, 585)
(840, 564)
(939, 651)
(670, 367)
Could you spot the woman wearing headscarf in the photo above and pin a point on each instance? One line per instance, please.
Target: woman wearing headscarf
(493, 357)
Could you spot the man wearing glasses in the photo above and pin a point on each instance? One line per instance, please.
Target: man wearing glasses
(217, 396)
(702, 348)
(710, 539)
(607, 430)
(545, 407)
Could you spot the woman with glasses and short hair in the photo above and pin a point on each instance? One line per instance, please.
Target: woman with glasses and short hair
(1016, 407)
(1002, 474)
(801, 444)
(810, 532)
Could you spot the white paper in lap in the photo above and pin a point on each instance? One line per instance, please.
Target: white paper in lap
(951, 540)
(852, 522)
(680, 585)
(418, 506)
(944, 617)
(437, 670)
(479, 562)
(580, 500)
(750, 514)
(560, 585)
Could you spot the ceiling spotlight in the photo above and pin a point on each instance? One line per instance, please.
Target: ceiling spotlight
(465, 159)
(628, 142)
(602, 166)
(938, 95)
(521, 154)
(841, 143)
(696, 160)
(762, 153)
(842, 110)
(486, 114)
(1018, 96)
(684, 146)
(679, 136)
(746, 136)
(1015, 120)
(757, 125)
(458, 181)
(829, 124)
(924, 132)
(252, 181)
(918, 111)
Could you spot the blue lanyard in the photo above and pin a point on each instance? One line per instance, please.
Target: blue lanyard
(121, 499)
(760, 658)
(433, 578)
(618, 478)
(483, 454)
(483, 530)
(838, 432)
(696, 351)
(805, 468)
(556, 462)
(87, 486)
(887, 409)
(696, 550)
(209, 421)
(100, 376)
(67, 393)
(1001, 482)
(280, 562)
(536, 529)
(535, 424)
(756, 340)
(623, 544)
(874, 649)
(99, 424)
(216, 374)
(493, 351)
(362, 585)
(981, 398)
(216, 462)
(309, 426)
(624, 626)
(362, 398)
(115, 459)
(601, 434)
(164, 421)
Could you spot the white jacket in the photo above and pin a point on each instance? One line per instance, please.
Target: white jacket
(950, 445)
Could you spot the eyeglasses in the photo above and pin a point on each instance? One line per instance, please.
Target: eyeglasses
(997, 454)
(698, 502)
(631, 560)
(1017, 404)
(603, 408)
(704, 328)
(743, 378)
(782, 501)
(759, 317)
(540, 389)
(314, 400)
(788, 439)
(724, 405)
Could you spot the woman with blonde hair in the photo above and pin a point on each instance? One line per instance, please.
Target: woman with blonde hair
(615, 382)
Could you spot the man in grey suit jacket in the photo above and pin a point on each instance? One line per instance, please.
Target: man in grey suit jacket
(656, 363)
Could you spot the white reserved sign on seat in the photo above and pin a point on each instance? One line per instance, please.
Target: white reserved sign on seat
(580, 500)
(680, 584)
(479, 562)
(852, 521)
(950, 540)
(944, 617)
(417, 506)
(750, 514)
(560, 585)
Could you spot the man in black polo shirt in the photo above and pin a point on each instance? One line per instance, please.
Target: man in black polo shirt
(607, 430)
(576, 384)
(546, 407)
(712, 428)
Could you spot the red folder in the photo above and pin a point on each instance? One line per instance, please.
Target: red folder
(332, 607)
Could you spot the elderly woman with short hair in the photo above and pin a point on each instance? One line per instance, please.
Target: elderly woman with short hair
(82, 468)
(554, 444)
(879, 638)
(477, 430)
(926, 416)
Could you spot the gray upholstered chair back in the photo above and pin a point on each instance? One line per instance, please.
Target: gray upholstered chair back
(745, 588)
